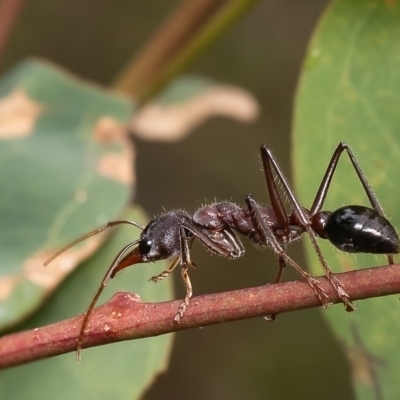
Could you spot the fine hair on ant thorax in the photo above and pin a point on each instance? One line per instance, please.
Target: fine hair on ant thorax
(352, 229)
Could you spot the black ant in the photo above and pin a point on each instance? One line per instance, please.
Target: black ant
(353, 229)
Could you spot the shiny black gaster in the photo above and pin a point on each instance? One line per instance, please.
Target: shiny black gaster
(358, 229)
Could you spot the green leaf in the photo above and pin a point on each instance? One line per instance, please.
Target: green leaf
(66, 168)
(350, 91)
(118, 371)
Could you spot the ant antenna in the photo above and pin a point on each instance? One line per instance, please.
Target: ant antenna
(110, 273)
(88, 235)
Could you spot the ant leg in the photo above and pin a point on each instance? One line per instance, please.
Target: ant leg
(336, 284)
(167, 271)
(273, 193)
(327, 179)
(189, 294)
(282, 266)
(185, 263)
(269, 238)
(268, 160)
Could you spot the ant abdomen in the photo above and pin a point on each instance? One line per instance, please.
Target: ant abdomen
(359, 229)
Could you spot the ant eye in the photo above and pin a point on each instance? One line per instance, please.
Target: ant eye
(145, 246)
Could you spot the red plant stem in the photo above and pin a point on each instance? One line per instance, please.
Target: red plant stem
(126, 317)
(9, 10)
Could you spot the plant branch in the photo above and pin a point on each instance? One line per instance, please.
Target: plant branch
(126, 317)
(177, 30)
(187, 33)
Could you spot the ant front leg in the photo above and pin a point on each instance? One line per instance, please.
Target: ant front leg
(176, 260)
(185, 263)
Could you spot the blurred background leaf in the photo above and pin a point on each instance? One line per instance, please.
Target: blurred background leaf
(66, 168)
(349, 91)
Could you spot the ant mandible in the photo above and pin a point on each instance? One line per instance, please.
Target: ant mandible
(353, 229)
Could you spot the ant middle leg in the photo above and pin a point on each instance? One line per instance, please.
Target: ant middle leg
(282, 266)
(185, 263)
(269, 239)
(188, 296)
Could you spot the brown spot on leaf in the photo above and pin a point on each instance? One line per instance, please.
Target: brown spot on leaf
(173, 122)
(117, 166)
(109, 130)
(18, 115)
(7, 284)
(81, 196)
(114, 167)
(50, 276)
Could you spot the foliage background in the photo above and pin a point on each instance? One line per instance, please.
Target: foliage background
(297, 355)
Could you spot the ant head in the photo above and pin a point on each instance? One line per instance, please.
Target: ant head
(159, 240)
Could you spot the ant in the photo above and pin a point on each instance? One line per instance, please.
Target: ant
(353, 229)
